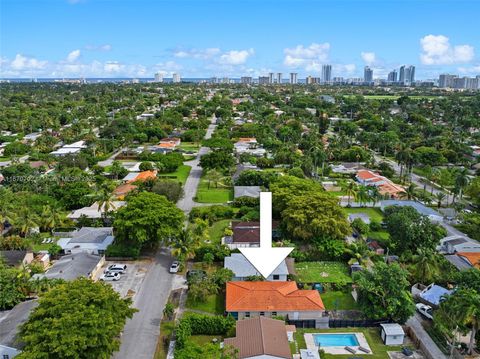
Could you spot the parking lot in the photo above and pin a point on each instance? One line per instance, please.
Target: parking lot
(130, 282)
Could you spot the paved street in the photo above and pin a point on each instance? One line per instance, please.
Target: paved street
(416, 325)
(140, 335)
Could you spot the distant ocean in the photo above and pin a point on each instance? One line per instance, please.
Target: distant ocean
(107, 79)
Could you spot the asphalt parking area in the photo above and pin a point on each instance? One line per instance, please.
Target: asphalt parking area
(130, 282)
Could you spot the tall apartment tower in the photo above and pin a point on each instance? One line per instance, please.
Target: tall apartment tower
(293, 78)
(176, 78)
(367, 75)
(411, 77)
(158, 77)
(271, 77)
(392, 76)
(401, 75)
(446, 80)
(279, 78)
(247, 80)
(327, 74)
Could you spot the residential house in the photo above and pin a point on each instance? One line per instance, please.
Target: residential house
(9, 327)
(139, 176)
(252, 299)
(94, 212)
(16, 258)
(260, 338)
(73, 266)
(249, 145)
(384, 185)
(121, 191)
(456, 244)
(88, 239)
(472, 258)
(246, 191)
(433, 215)
(432, 294)
(247, 234)
(242, 269)
(70, 149)
(172, 140)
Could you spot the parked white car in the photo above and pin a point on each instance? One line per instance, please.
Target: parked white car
(119, 268)
(175, 267)
(425, 310)
(110, 276)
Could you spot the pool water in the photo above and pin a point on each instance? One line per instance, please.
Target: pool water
(335, 340)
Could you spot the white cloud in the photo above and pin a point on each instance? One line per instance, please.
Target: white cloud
(369, 57)
(235, 57)
(473, 70)
(104, 48)
(437, 50)
(21, 63)
(342, 70)
(309, 57)
(203, 54)
(73, 56)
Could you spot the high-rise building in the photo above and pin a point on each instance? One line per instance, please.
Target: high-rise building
(446, 80)
(312, 80)
(392, 76)
(327, 74)
(367, 75)
(279, 78)
(411, 74)
(271, 77)
(176, 78)
(247, 80)
(263, 80)
(293, 78)
(401, 76)
(158, 77)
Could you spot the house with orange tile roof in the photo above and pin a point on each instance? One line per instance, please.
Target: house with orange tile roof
(121, 191)
(140, 176)
(472, 258)
(384, 185)
(252, 299)
(171, 140)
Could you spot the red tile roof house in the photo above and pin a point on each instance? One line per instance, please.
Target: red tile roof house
(303, 308)
(384, 185)
(260, 338)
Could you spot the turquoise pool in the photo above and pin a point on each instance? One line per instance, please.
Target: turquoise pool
(335, 340)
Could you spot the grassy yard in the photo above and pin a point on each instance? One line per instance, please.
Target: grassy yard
(322, 272)
(215, 304)
(189, 146)
(181, 173)
(380, 236)
(375, 214)
(379, 350)
(205, 339)
(216, 230)
(166, 330)
(336, 300)
(213, 194)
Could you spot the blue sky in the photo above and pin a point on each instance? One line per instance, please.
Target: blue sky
(198, 38)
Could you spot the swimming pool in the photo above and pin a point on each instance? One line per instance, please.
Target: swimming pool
(335, 340)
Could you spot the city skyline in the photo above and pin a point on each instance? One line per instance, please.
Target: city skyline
(201, 41)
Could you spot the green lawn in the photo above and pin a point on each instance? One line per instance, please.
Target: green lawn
(215, 304)
(375, 214)
(379, 350)
(380, 236)
(322, 272)
(336, 300)
(213, 194)
(216, 230)
(181, 173)
(204, 339)
(189, 146)
(166, 330)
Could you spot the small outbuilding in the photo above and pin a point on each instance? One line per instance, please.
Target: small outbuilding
(392, 334)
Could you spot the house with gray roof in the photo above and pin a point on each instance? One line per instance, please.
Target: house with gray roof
(73, 266)
(88, 239)
(242, 269)
(433, 215)
(247, 191)
(455, 244)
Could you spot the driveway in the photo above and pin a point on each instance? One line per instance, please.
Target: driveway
(131, 281)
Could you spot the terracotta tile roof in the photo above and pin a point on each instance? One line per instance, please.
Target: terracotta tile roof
(143, 176)
(167, 145)
(366, 174)
(260, 336)
(271, 296)
(124, 189)
(472, 257)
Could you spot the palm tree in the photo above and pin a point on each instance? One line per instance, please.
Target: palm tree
(363, 195)
(51, 217)
(358, 252)
(440, 196)
(105, 199)
(351, 191)
(374, 194)
(410, 192)
(183, 245)
(213, 176)
(25, 220)
(461, 181)
(426, 265)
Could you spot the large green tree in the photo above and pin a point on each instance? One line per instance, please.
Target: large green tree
(147, 218)
(383, 293)
(78, 319)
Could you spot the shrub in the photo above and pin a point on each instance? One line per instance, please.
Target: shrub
(375, 226)
(246, 201)
(360, 226)
(212, 213)
(123, 250)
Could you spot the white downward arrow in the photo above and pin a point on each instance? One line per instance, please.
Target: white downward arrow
(266, 258)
